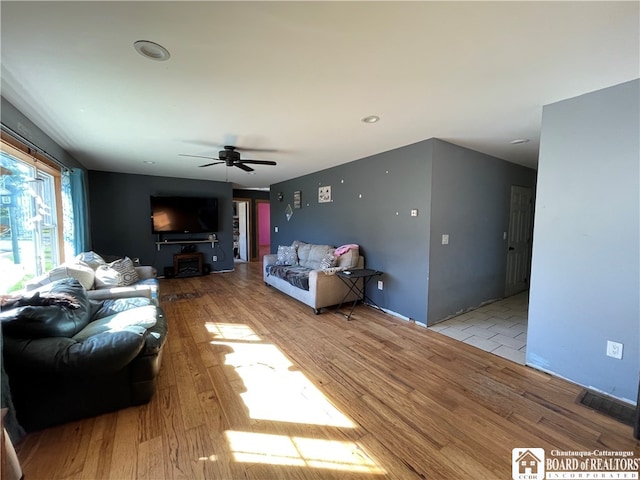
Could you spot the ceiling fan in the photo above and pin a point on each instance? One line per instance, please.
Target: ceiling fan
(231, 158)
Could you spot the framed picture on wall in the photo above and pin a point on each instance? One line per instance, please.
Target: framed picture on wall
(297, 199)
(324, 194)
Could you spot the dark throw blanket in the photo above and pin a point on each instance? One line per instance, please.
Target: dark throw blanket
(294, 274)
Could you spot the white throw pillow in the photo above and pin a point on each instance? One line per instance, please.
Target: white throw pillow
(91, 258)
(83, 273)
(119, 273)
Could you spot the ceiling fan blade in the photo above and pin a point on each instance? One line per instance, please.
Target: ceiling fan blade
(267, 150)
(196, 156)
(243, 167)
(259, 162)
(209, 164)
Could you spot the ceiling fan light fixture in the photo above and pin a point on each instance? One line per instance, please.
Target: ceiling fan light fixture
(151, 50)
(231, 158)
(371, 119)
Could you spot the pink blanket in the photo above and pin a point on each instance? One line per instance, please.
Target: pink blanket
(345, 248)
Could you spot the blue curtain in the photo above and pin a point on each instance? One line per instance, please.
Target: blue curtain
(67, 216)
(81, 240)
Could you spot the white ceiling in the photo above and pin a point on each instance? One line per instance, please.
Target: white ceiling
(297, 77)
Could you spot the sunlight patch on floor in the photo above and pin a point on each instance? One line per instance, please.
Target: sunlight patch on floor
(275, 391)
(248, 447)
(232, 331)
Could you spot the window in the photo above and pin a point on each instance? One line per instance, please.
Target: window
(30, 217)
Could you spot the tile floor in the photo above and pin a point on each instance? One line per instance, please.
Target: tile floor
(499, 328)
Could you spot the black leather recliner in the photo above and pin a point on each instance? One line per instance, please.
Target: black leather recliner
(68, 357)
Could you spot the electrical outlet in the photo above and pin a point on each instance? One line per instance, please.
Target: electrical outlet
(275, 229)
(445, 239)
(614, 349)
(215, 258)
(380, 285)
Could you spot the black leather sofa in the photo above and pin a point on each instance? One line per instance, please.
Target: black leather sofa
(68, 357)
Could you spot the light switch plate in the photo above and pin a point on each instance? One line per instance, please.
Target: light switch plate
(445, 239)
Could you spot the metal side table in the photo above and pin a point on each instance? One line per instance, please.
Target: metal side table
(350, 278)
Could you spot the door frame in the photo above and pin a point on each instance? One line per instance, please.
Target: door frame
(515, 288)
(249, 235)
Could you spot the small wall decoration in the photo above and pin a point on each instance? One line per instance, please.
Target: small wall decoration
(297, 199)
(324, 194)
(288, 212)
(280, 196)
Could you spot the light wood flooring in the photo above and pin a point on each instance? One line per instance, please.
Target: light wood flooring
(255, 386)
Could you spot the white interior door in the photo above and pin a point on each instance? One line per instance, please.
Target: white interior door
(243, 241)
(519, 240)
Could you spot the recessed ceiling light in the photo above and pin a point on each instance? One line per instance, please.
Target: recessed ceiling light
(519, 141)
(149, 162)
(371, 119)
(151, 50)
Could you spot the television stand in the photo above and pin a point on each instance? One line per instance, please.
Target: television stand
(188, 264)
(213, 241)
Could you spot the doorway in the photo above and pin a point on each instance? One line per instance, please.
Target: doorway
(263, 209)
(519, 240)
(241, 230)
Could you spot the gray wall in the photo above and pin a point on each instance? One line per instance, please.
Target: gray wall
(455, 190)
(586, 263)
(470, 200)
(372, 200)
(121, 223)
(16, 121)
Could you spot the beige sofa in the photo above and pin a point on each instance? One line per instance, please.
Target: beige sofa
(303, 264)
(121, 278)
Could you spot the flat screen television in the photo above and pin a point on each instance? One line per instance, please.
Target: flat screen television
(172, 214)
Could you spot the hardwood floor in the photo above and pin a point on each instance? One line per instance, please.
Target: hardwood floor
(255, 386)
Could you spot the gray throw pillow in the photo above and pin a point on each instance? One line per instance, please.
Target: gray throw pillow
(287, 255)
